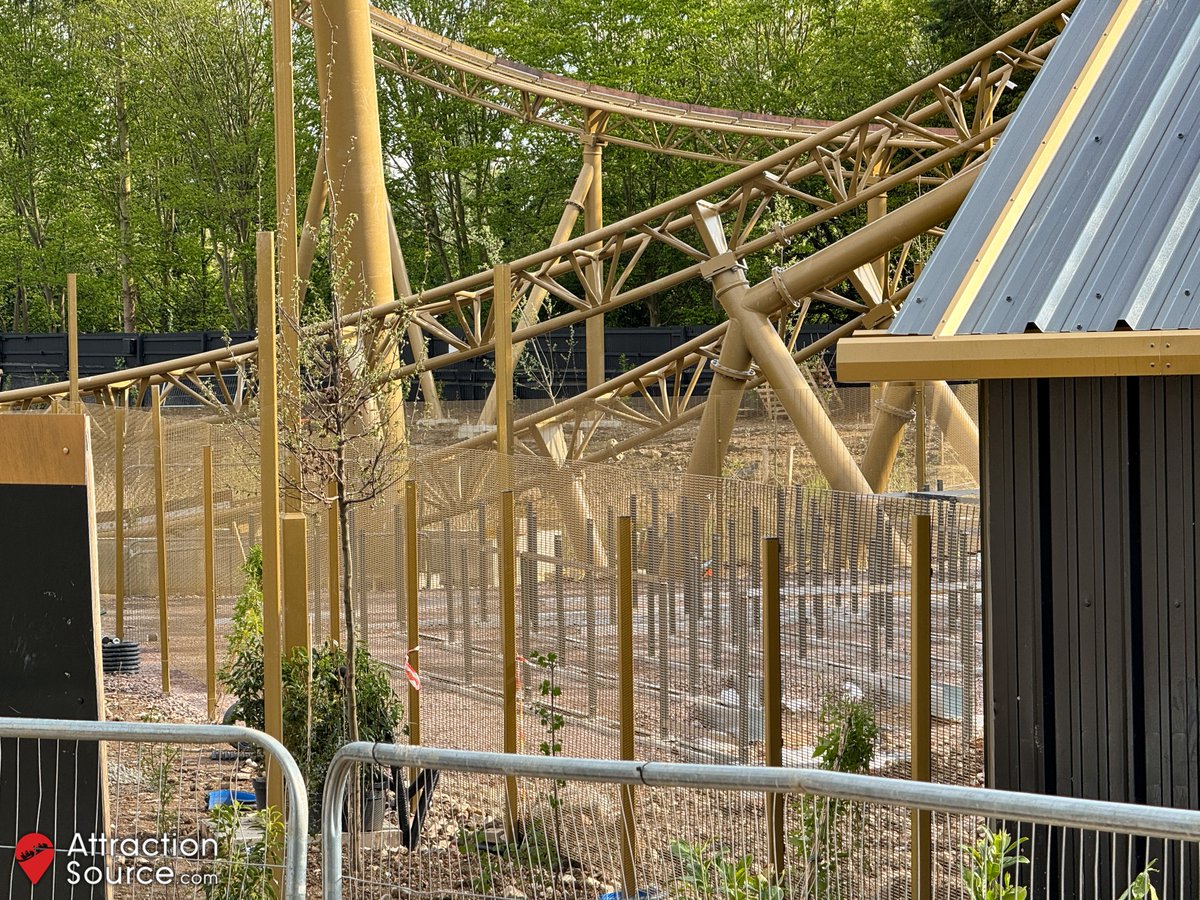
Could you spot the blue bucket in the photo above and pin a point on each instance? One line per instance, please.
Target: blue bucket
(228, 798)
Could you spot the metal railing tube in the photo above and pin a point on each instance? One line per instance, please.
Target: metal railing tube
(295, 861)
(1065, 812)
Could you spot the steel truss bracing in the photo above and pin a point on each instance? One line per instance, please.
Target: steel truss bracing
(929, 137)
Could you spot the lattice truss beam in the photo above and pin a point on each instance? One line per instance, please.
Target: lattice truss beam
(920, 137)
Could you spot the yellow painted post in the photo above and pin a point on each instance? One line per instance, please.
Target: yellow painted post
(413, 598)
(625, 689)
(922, 478)
(72, 344)
(285, 222)
(334, 551)
(268, 419)
(296, 631)
(119, 514)
(502, 320)
(160, 531)
(210, 588)
(772, 700)
(508, 639)
(921, 676)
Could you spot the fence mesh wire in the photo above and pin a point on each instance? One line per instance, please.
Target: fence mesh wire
(697, 636)
(167, 820)
(697, 843)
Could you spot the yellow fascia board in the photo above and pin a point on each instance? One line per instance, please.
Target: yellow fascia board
(882, 357)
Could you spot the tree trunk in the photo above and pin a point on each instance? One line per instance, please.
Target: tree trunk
(347, 595)
(124, 227)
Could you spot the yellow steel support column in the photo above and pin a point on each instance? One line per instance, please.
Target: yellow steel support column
(72, 344)
(353, 153)
(160, 532)
(920, 683)
(296, 630)
(333, 549)
(119, 520)
(268, 420)
(502, 324)
(210, 587)
(537, 294)
(772, 355)
(412, 570)
(893, 410)
(508, 646)
(362, 260)
(956, 425)
(772, 701)
(310, 231)
(593, 220)
(724, 399)
(625, 690)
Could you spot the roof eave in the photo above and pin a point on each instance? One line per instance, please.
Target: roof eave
(883, 357)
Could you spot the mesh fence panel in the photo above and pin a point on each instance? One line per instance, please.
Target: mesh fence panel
(572, 843)
(698, 609)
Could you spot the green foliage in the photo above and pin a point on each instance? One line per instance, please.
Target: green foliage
(828, 827)
(314, 738)
(314, 699)
(1142, 888)
(847, 742)
(991, 863)
(242, 674)
(243, 871)
(160, 765)
(534, 850)
(172, 98)
(710, 875)
(552, 722)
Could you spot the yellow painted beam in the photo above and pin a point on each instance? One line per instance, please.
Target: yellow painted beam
(868, 357)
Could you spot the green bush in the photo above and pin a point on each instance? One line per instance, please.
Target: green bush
(242, 674)
(311, 733)
(244, 871)
(847, 742)
(991, 862)
(379, 710)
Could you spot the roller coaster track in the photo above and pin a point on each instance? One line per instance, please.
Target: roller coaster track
(534, 96)
(927, 138)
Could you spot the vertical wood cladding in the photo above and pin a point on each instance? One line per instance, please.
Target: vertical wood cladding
(1090, 502)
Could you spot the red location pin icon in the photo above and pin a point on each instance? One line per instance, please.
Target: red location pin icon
(34, 854)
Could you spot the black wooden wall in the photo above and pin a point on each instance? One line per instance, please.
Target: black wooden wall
(1090, 496)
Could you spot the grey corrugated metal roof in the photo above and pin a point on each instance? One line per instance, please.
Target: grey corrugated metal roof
(1110, 237)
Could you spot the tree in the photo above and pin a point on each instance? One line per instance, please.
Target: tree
(346, 436)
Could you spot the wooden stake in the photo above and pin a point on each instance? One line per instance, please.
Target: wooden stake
(160, 530)
(772, 700)
(268, 418)
(502, 322)
(922, 843)
(119, 548)
(625, 688)
(210, 592)
(412, 571)
(508, 630)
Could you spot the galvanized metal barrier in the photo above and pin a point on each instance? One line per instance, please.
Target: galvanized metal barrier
(714, 825)
(175, 735)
